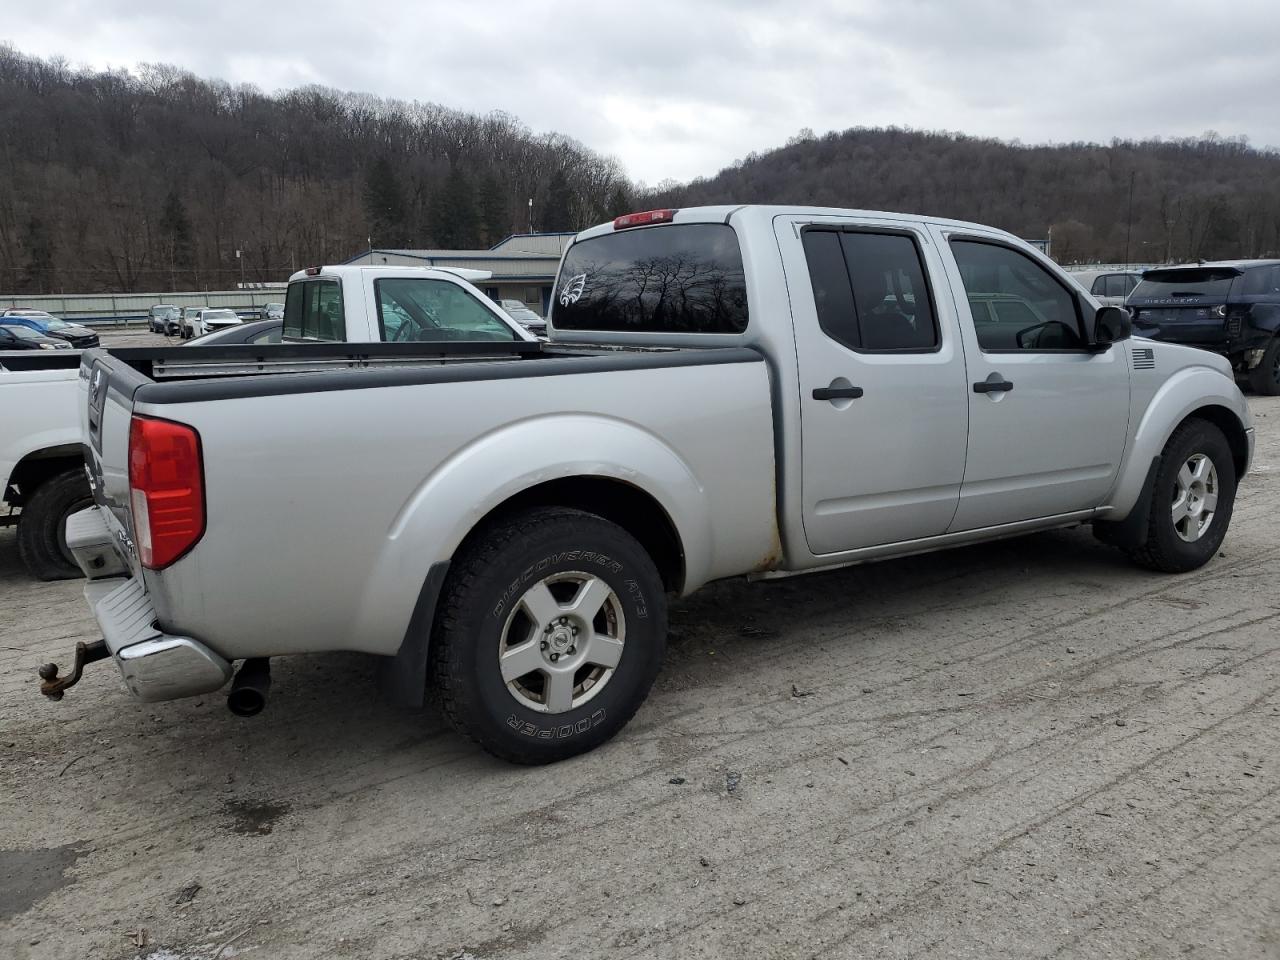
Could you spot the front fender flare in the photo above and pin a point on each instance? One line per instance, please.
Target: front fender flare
(1185, 392)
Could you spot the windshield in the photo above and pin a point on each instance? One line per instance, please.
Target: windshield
(53, 323)
(684, 278)
(1186, 283)
(24, 333)
(416, 309)
(220, 315)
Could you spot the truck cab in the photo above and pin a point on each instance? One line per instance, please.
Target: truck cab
(393, 305)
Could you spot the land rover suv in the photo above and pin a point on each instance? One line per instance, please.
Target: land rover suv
(1231, 308)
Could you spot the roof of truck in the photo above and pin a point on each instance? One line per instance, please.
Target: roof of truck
(724, 212)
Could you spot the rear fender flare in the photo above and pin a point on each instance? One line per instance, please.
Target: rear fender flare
(495, 467)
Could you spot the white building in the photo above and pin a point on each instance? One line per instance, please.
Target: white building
(523, 265)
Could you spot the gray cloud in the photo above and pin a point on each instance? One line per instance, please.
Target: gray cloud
(680, 88)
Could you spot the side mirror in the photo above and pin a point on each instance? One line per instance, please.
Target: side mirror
(1110, 325)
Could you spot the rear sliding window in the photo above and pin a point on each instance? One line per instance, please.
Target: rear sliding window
(313, 311)
(1187, 283)
(680, 278)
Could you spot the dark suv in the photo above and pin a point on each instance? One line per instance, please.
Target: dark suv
(1231, 308)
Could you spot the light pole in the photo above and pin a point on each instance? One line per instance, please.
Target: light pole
(531, 216)
(240, 257)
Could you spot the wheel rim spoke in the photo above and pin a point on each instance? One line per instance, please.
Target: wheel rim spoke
(604, 651)
(559, 690)
(540, 605)
(1185, 478)
(517, 661)
(1201, 468)
(591, 597)
(1210, 502)
(1181, 509)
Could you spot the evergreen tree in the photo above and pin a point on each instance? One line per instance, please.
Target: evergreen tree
(38, 275)
(175, 228)
(619, 202)
(495, 224)
(557, 213)
(384, 205)
(456, 225)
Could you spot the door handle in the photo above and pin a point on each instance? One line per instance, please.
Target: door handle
(992, 386)
(837, 393)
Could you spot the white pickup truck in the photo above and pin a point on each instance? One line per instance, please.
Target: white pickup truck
(727, 391)
(42, 478)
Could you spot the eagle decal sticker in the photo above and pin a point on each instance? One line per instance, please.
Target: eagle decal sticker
(572, 289)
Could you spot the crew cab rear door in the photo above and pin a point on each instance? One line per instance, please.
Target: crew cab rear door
(882, 381)
(1047, 418)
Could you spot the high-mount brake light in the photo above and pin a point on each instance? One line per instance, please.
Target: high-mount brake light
(644, 219)
(312, 271)
(166, 489)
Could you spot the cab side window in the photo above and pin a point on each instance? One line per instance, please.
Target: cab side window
(870, 290)
(1024, 306)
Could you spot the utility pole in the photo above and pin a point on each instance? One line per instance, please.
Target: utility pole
(240, 257)
(531, 216)
(1128, 233)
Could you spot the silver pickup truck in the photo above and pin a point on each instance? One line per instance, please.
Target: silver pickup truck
(726, 392)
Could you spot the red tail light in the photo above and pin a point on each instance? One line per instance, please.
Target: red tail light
(166, 489)
(643, 219)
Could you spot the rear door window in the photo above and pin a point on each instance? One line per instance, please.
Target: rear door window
(313, 311)
(870, 290)
(677, 278)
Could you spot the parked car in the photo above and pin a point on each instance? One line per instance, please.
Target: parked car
(14, 337)
(42, 476)
(808, 390)
(187, 322)
(259, 331)
(1109, 287)
(525, 317)
(164, 318)
(1229, 307)
(50, 326)
(273, 311)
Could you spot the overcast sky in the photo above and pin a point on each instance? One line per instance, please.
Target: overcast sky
(681, 88)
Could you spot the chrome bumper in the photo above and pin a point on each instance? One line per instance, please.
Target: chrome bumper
(155, 665)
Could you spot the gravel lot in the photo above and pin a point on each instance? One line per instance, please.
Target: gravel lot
(1028, 749)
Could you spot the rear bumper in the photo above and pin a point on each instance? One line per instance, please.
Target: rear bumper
(155, 665)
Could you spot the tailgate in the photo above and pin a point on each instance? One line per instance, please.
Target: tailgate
(1189, 323)
(109, 386)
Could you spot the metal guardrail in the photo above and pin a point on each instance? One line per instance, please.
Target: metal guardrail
(123, 309)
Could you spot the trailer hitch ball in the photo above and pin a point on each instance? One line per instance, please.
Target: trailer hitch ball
(52, 685)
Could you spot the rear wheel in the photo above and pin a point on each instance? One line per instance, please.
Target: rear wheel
(551, 631)
(1265, 377)
(42, 529)
(1191, 500)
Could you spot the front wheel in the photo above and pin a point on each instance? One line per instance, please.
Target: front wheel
(1191, 500)
(551, 631)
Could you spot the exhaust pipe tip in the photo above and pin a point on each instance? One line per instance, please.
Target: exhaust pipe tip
(248, 694)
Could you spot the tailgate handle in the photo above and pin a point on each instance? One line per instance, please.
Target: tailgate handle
(837, 393)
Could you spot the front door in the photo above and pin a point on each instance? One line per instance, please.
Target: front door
(1047, 418)
(882, 383)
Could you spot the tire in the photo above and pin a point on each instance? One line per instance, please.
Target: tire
(548, 559)
(42, 545)
(1265, 377)
(1167, 548)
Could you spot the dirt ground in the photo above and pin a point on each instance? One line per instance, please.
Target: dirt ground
(1028, 749)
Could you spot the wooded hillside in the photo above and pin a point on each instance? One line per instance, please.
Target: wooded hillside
(152, 180)
(1206, 197)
